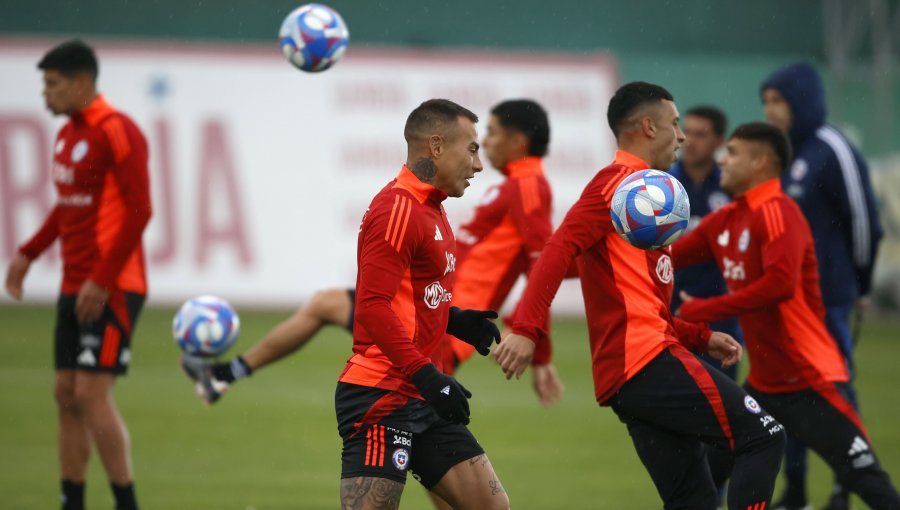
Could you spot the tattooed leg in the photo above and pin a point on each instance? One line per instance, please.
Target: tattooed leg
(370, 493)
(473, 484)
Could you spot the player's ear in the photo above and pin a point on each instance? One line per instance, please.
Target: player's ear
(648, 126)
(435, 145)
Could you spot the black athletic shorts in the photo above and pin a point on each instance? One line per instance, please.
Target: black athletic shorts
(677, 408)
(385, 434)
(104, 346)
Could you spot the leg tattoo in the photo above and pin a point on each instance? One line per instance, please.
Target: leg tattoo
(370, 493)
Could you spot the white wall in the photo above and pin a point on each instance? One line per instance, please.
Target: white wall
(286, 162)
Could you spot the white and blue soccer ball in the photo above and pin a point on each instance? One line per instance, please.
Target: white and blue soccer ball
(206, 326)
(650, 209)
(313, 37)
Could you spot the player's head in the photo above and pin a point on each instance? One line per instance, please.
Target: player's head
(516, 129)
(704, 133)
(643, 117)
(794, 100)
(755, 152)
(70, 76)
(442, 145)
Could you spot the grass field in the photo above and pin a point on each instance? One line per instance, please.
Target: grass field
(271, 443)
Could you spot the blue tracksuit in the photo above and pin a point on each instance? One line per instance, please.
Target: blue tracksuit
(829, 179)
(704, 280)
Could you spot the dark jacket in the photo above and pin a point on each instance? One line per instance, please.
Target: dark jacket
(829, 179)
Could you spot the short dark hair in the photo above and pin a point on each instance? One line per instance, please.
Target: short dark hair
(434, 115)
(715, 116)
(530, 119)
(628, 98)
(70, 58)
(768, 135)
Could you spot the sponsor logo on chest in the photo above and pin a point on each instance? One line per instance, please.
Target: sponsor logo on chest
(664, 270)
(435, 294)
(732, 270)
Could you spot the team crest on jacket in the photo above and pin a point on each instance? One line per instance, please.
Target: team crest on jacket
(751, 404)
(435, 295)
(79, 151)
(664, 269)
(744, 240)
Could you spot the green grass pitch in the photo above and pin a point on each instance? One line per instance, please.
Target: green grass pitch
(271, 443)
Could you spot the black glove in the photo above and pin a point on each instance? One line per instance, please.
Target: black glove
(448, 398)
(474, 327)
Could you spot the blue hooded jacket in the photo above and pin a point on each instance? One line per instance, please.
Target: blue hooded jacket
(829, 179)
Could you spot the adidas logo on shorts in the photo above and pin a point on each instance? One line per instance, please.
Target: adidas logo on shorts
(446, 390)
(858, 446)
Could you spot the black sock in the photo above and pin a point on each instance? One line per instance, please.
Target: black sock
(124, 495)
(72, 495)
(232, 371)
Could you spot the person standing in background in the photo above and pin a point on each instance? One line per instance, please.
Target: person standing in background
(829, 179)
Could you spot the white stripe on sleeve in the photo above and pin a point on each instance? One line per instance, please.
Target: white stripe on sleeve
(859, 213)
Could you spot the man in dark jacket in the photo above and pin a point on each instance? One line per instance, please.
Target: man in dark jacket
(829, 179)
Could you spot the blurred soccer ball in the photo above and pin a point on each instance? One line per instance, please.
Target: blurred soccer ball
(313, 37)
(206, 326)
(650, 209)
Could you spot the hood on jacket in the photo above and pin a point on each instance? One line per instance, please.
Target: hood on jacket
(801, 86)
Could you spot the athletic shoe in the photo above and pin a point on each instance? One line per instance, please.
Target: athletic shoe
(208, 388)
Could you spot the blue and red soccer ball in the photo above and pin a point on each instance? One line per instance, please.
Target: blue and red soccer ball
(313, 37)
(206, 326)
(650, 209)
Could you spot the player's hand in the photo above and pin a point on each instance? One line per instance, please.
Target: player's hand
(862, 303)
(90, 302)
(474, 327)
(514, 355)
(445, 394)
(547, 384)
(724, 348)
(15, 275)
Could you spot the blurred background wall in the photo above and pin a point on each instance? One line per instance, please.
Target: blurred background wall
(703, 51)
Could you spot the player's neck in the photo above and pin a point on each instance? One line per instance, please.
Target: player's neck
(642, 151)
(83, 102)
(698, 172)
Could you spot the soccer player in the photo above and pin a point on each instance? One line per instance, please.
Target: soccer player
(396, 410)
(509, 228)
(671, 401)
(704, 134)
(103, 205)
(764, 248)
(829, 179)
(506, 234)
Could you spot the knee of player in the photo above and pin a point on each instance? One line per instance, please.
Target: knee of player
(65, 397)
(327, 305)
(87, 396)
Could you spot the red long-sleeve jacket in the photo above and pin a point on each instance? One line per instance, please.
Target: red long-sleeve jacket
(404, 284)
(103, 205)
(765, 250)
(626, 290)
